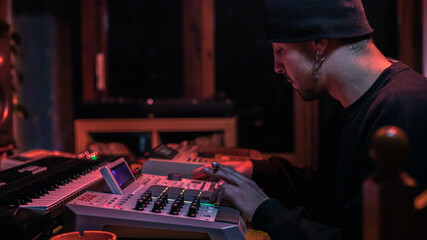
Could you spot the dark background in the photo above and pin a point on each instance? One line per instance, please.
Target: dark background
(145, 61)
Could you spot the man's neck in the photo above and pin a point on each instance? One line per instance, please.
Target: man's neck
(353, 74)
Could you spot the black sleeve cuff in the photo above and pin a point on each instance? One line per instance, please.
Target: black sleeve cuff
(267, 213)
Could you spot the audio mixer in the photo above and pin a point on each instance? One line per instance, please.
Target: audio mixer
(147, 201)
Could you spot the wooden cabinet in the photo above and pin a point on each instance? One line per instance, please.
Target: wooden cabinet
(84, 127)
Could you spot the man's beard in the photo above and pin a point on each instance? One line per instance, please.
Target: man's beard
(309, 94)
(309, 89)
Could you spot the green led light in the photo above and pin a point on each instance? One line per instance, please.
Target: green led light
(208, 204)
(94, 157)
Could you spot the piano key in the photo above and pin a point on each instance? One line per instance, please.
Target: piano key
(62, 193)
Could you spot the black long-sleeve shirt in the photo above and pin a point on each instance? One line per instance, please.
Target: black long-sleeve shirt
(327, 203)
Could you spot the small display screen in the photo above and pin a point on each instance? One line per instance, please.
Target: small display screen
(122, 174)
(166, 151)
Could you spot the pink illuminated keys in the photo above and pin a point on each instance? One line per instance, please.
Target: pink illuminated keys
(65, 193)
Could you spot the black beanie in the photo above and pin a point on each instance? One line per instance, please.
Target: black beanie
(304, 20)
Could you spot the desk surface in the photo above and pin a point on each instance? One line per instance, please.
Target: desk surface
(256, 235)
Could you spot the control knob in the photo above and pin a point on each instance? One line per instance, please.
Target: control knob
(174, 176)
(192, 211)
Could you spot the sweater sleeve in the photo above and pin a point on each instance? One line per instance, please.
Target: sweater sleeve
(280, 179)
(284, 223)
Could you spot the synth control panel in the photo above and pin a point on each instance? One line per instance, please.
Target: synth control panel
(185, 158)
(154, 202)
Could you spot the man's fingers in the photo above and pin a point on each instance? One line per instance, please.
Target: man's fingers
(222, 175)
(216, 166)
(224, 193)
(226, 173)
(245, 196)
(214, 196)
(200, 176)
(199, 171)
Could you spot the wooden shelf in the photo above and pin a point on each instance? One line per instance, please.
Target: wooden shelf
(84, 127)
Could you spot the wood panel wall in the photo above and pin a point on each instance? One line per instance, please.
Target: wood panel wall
(93, 42)
(410, 33)
(5, 7)
(199, 48)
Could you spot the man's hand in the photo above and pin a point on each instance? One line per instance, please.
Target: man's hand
(243, 167)
(238, 190)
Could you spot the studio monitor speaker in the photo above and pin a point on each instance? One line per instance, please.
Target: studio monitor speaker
(6, 103)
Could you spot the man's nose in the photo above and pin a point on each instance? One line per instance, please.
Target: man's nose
(278, 65)
(279, 68)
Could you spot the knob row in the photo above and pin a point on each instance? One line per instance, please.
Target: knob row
(162, 200)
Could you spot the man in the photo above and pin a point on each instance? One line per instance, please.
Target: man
(324, 46)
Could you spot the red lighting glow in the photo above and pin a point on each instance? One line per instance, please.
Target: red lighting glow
(1, 60)
(392, 131)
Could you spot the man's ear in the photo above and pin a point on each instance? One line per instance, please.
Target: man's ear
(320, 45)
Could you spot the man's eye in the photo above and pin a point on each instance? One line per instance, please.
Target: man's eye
(278, 50)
